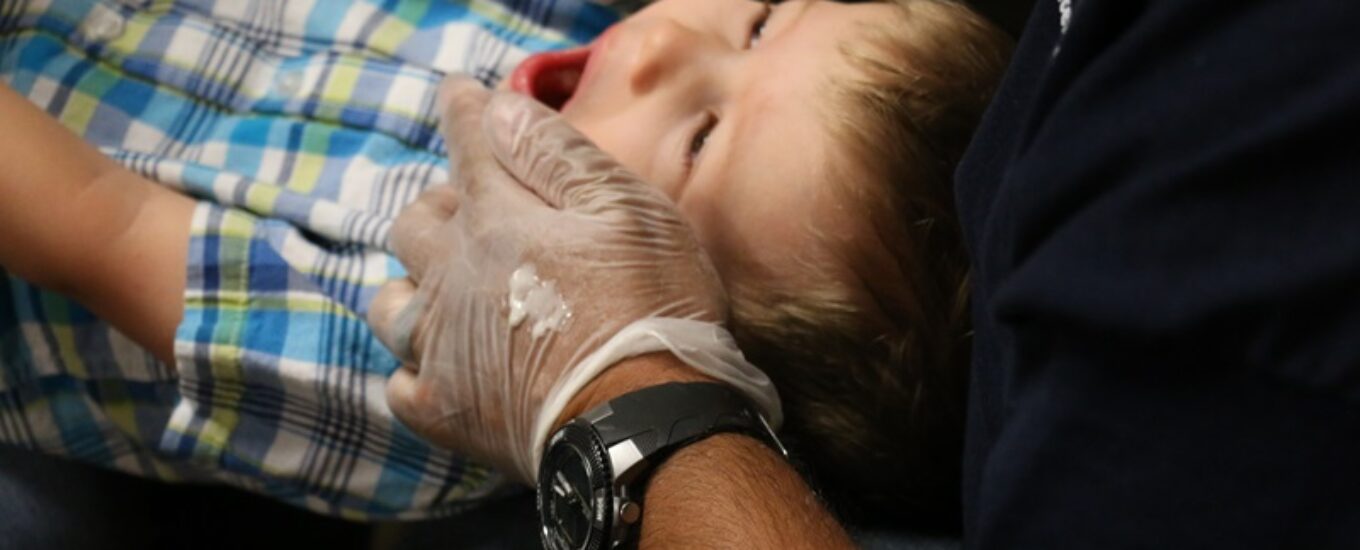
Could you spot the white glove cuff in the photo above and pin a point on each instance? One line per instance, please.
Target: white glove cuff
(707, 347)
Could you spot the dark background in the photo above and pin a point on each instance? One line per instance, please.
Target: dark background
(1007, 14)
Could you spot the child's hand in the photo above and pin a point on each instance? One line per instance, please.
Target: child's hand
(543, 253)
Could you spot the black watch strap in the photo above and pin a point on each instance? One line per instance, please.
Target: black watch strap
(648, 424)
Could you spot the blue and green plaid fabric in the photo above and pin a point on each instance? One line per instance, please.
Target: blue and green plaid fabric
(303, 126)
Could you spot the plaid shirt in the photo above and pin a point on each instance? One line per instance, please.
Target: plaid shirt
(303, 126)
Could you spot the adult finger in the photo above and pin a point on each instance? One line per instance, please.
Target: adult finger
(464, 101)
(416, 236)
(422, 407)
(393, 315)
(550, 157)
(403, 392)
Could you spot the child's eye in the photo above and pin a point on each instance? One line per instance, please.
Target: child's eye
(696, 143)
(759, 27)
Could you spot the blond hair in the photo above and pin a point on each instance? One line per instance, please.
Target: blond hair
(873, 371)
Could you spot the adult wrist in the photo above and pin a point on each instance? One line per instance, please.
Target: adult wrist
(629, 375)
(597, 466)
(706, 348)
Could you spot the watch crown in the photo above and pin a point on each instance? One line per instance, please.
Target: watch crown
(630, 512)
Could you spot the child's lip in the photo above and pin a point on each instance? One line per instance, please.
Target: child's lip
(553, 78)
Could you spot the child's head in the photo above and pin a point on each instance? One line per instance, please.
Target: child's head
(811, 146)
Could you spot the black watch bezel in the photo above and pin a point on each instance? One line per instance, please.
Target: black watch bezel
(576, 445)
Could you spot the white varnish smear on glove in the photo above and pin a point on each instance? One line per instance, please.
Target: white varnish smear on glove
(707, 347)
(537, 300)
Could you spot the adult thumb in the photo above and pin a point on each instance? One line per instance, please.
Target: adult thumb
(551, 158)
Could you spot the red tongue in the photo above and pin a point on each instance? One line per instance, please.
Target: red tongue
(551, 77)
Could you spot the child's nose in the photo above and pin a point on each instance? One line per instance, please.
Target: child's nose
(666, 47)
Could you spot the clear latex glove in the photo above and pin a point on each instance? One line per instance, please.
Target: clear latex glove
(526, 270)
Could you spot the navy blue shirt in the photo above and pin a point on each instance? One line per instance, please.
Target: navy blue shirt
(1163, 206)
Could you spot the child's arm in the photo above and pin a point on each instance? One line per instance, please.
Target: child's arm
(74, 222)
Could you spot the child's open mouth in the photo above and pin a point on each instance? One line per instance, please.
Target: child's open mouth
(551, 77)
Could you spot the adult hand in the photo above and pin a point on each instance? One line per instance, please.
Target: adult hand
(542, 264)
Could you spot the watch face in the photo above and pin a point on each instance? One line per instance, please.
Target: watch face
(572, 492)
(569, 499)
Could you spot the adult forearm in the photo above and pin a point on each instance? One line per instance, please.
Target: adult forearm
(731, 491)
(727, 491)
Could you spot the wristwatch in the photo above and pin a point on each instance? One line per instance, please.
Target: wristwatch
(592, 477)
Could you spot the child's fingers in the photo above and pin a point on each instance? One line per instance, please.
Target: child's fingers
(393, 315)
(416, 236)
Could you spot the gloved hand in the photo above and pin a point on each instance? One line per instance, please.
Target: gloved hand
(542, 264)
